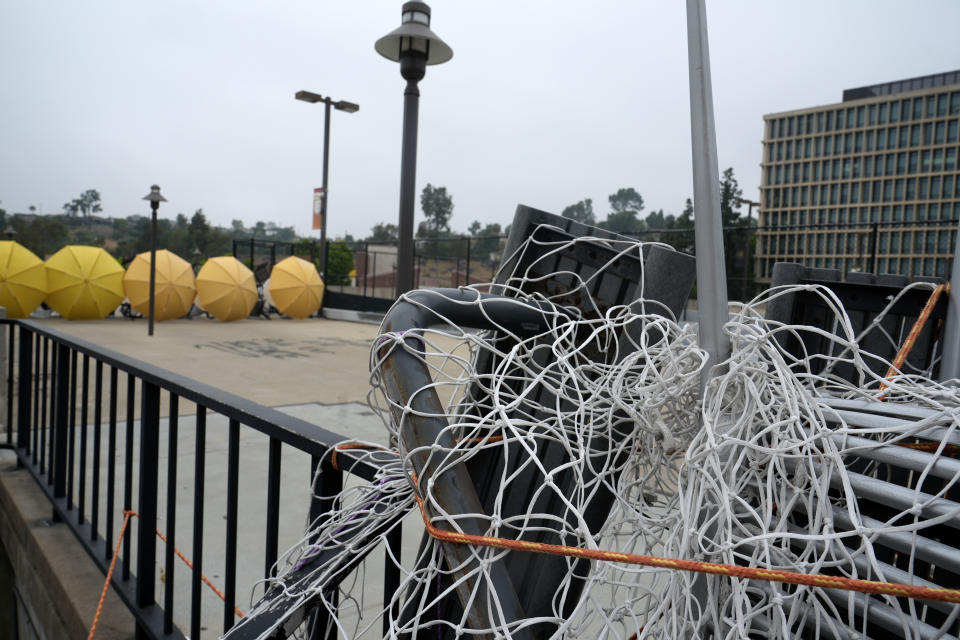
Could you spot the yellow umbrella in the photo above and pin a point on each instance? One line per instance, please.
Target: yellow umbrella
(174, 286)
(84, 283)
(23, 279)
(296, 287)
(226, 289)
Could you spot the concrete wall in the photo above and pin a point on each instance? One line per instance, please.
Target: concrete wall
(57, 583)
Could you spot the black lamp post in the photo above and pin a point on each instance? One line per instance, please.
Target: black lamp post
(414, 46)
(746, 252)
(340, 105)
(9, 232)
(155, 199)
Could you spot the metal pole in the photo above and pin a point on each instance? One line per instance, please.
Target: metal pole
(153, 262)
(950, 365)
(746, 250)
(408, 176)
(323, 201)
(708, 230)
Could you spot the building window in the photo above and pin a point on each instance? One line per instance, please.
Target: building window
(891, 158)
(850, 112)
(858, 142)
(882, 113)
(901, 163)
(881, 139)
(839, 119)
(914, 156)
(868, 167)
(925, 161)
(914, 138)
(928, 133)
(860, 116)
(935, 188)
(931, 106)
(952, 131)
(908, 213)
(895, 111)
(911, 188)
(829, 121)
(950, 159)
(922, 186)
(955, 103)
(898, 192)
(917, 108)
(887, 190)
(872, 113)
(942, 104)
(947, 186)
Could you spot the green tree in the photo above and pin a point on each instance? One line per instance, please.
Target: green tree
(437, 207)
(626, 205)
(199, 230)
(581, 212)
(87, 204)
(656, 220)
(475, 227)
(383, 232)
(339, 264)
(626, 200)
(730, 194)
(181, 221)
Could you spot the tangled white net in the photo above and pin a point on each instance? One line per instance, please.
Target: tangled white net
(588, 432)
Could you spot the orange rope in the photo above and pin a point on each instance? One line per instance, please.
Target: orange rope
(202, 576)
(770, 575)
(350, 445)
(914, 333)
(113, 563)
(106, 585)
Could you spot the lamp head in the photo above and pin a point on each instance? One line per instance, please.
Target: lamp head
(154, 197)
(413, 44)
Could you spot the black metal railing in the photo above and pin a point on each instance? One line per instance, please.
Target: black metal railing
(56, 383)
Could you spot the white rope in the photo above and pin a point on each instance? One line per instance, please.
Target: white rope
(757, 475)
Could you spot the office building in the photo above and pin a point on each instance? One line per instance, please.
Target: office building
(867, 184)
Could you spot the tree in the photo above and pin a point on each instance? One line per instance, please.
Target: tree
(730, 194)
(437, 207)
(626, 200)
(383, 232)
(655, 220)
(88, 203)
(474, 227)
(581, 212)
(199, 230)
(339, 264)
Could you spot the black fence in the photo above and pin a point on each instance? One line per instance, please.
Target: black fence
(102, 434)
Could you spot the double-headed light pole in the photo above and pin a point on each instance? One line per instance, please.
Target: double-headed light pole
(414, 46)
(340, 105)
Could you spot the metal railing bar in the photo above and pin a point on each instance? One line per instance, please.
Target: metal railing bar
(293, 431)
(230, 547)
(198, 474)
(71, 428)
(111, 458)
(58, 459)
(35, 378)
(171, 525)
(148, 490)
(11, 342)
(82, 479)
(23, 391)
(391, 575)
(128, 468)
(37, 448)
(97, 415)
(273, 507)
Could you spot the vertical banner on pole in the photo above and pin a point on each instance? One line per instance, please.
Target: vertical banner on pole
(318, 196)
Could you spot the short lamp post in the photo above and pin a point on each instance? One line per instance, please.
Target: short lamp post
(10, 232)
(414, 46)
(155, 199)
(340, 105)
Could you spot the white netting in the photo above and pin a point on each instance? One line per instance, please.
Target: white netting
(603, 405)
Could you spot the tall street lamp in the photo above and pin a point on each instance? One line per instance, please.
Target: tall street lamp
(155, 199)
(414, 46)
(340, 105)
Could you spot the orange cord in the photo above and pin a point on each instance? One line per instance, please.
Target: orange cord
(106, 585)
(113, 563)
(914, 333)
(770, 575)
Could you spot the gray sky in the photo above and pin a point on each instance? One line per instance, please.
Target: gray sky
(544, 102)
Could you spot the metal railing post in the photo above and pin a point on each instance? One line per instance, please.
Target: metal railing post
(24, 376)
(61, 426)
(147, 522)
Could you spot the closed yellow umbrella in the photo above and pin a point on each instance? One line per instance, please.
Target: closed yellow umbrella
(296, 287)
(174, 287)
(23, 279)
(83, 283)
(226, 289)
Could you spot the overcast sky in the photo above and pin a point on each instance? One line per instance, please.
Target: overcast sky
(545, 102)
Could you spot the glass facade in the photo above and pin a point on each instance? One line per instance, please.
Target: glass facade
(868, 184)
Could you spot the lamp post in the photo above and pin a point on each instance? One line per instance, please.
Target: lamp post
(746, 251)
(9, 232)
(155, 199)
(414, 46)
(340, 105)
